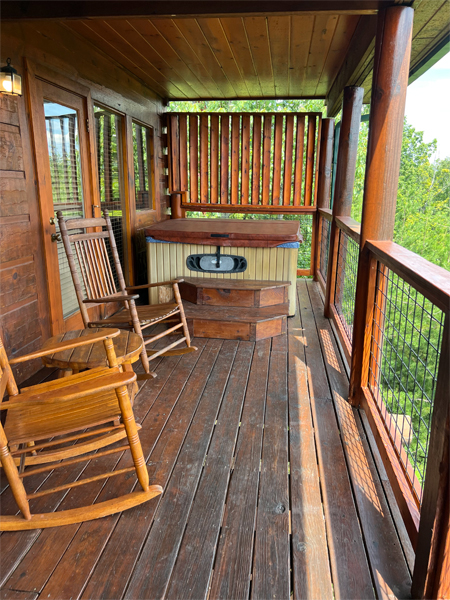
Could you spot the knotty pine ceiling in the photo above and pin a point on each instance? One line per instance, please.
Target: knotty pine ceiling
(286, 56)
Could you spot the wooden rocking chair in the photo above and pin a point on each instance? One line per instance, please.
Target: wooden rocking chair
(97, 275)
(68, 407)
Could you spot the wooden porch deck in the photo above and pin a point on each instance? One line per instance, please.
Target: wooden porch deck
(272, 487)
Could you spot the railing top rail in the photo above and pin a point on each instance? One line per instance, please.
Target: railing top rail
(327, 213)
(431, 281)
(351, 227)
(250, 112)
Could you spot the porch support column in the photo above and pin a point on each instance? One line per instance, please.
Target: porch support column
(324, 182)
(345, 179)
(390, 80)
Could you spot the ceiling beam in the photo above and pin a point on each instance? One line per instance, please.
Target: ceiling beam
(357, 63)
(92, 9)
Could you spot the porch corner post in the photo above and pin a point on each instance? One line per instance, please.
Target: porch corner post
(324, 181)
(345, 179)
(390, 80)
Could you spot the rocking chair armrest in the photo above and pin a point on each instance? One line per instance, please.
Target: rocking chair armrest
(149, 285)
(67, 345)
(121, 298)
(106, 383)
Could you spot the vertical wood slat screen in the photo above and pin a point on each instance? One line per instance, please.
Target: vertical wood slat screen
(241, 159)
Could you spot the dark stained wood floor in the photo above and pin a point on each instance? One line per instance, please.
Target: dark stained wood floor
(272, 487)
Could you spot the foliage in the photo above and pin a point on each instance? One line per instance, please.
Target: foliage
(422, 219)
(248, 106)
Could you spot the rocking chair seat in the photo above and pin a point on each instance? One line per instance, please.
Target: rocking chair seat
(39, 422)
(146, 315)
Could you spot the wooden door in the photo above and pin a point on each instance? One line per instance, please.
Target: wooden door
(65, 181)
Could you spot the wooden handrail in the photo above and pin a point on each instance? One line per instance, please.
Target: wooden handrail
(351, 227)
(248, 208)
(431, 281)
(326, 213)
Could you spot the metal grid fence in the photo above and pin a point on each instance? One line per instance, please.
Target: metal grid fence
(324, 247)
(404, 358)
(346, 275)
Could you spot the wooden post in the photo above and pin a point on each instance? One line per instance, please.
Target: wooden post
(433, 534)
(390, 80)
(345, 179)
(324, 182)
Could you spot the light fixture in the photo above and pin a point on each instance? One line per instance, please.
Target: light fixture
(10, 81)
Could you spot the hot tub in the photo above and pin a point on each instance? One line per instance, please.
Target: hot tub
(263, 250)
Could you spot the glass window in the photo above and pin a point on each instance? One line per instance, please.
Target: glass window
(61, 124)
(143, 166)
(109, 153)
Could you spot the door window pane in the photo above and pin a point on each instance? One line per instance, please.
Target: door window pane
(143, 168)
(61, 125)
(109, 152)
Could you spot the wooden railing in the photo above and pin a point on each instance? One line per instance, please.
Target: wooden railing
(245, 162)
(405, 387)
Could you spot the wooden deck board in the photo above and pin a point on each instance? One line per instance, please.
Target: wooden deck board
(390, 573)
(233, 567)
(241, 436)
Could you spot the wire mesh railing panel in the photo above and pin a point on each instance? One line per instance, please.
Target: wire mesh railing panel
(324, 247)
(304, 251)
(346, 275)
(404, 358)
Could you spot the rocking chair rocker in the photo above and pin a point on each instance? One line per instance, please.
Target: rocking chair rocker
(68, 407)
(97, 274)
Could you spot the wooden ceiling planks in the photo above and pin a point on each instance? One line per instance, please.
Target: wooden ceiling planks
(298, 55)
(231, 56)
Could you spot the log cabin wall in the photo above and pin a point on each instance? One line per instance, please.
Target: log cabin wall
(71, 62)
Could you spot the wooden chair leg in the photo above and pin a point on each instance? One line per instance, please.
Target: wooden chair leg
(176, 292)
(133, 437)
(137, 329)
(9, 466)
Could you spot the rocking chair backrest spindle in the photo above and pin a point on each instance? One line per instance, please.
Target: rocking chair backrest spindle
(93, 260)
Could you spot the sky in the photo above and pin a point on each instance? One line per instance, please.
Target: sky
(427, 105)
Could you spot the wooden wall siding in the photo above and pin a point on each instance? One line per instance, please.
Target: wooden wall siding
(20, 325)
(244, 159)
(247, 57)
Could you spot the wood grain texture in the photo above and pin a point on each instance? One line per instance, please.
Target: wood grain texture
(191, 575)
(231, 578)
(389, 569)
(272, 550)
(158, 555)
(341, 518)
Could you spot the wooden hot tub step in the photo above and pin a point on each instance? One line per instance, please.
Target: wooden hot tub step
(236, 323)
(244, 293)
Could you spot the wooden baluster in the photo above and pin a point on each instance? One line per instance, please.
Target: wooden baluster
(245, 162)
(214, 148)
(256, 159)
(193, 156)
(277, 151)
(345, 178)
(267, 142)
(287, 179)
(309, 170)
(390, 80)
(204, 171)
(183, 153)
(298, 165)
(174, 154)
(224, 157)
(235, 126)
(323, 183)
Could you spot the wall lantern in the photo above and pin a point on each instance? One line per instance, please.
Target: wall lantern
(10, 81)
